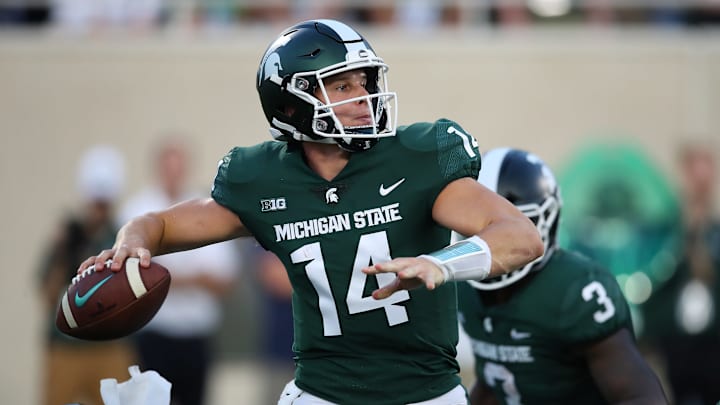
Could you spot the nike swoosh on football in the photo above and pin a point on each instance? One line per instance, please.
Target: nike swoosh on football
(82, 300)
(515, 334)
(385, 191)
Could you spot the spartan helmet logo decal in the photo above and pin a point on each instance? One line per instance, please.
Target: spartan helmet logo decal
(331, 196)
(271, 69)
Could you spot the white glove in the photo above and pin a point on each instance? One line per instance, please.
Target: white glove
(146, 388)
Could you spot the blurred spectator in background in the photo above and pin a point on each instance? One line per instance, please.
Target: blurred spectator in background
(27, 13)
(178, 341)
(599, 12)
(418, 15)
(703, 13)
(274, 12)
(90, 16)
(683, 322)
(276, 316)
(93, 16)
(510, 14)
(75, 367)
(313, 9)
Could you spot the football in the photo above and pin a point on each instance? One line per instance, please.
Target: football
(104, 305)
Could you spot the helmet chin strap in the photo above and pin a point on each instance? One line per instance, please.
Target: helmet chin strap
(345, 143)
(277, 134)
(304, 138)
(361, 129)
(356, 145)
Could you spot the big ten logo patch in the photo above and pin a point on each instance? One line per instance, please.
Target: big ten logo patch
(273, 204)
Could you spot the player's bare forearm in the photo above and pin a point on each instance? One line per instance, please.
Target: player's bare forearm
(481, 395)
(621, 373)
(193, 224)
(513, 241)
(140, 237)
(184, 226)
(470, 208)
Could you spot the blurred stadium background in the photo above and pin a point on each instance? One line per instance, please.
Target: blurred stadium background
(551, 76)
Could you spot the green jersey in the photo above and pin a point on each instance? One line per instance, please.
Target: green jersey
(349, 347)
(525, 347)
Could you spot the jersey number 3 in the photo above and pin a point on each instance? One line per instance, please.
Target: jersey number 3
(595, 289)
(372, 248)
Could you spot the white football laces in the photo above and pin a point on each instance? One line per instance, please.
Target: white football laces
(88, 271)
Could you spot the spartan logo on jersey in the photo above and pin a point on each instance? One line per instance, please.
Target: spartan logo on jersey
(330, 193)
(331, 196)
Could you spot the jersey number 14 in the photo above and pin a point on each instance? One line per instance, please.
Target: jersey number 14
(372, 247)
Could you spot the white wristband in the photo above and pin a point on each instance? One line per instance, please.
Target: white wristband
(468, 259)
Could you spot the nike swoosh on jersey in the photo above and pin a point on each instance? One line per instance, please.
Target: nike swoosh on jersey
(82, 300)
(385, 191)
(517, 335)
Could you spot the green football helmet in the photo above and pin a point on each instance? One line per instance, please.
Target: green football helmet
(296, 64)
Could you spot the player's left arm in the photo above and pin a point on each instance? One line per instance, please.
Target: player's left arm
(481, 394)
(508, 239)
(500, 238)
(621, 373)
(469, 208)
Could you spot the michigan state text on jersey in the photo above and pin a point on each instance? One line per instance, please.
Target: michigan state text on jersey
(349, 345)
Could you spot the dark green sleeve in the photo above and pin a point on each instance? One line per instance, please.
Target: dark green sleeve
(239, 167)
(456, 151)
(221, 189)
(594, 307)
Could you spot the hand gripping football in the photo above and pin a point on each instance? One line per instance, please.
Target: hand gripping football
(103, 305)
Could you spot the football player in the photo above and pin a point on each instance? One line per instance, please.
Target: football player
(359, 211)
(556, 330)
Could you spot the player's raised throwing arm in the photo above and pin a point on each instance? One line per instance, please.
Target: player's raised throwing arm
(471, 209)
(501, 239)
(184, 226)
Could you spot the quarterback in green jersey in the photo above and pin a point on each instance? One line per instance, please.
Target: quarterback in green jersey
(360, 212)
(557, 330)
